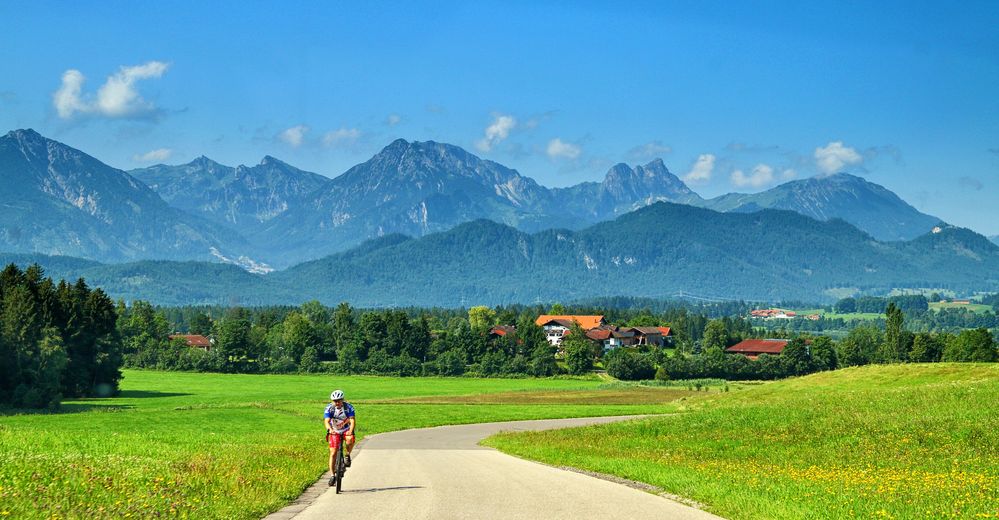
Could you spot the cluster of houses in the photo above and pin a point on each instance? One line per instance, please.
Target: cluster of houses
(597, 329)
(557, 327)
(779, 314)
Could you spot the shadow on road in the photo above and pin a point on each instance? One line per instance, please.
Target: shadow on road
(377, 490)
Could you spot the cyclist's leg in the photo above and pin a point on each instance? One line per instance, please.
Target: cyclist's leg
(334, 441)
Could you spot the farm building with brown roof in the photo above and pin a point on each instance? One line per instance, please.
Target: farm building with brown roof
(753, 348)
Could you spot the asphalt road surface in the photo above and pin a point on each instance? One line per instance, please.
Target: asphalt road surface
(442, 473)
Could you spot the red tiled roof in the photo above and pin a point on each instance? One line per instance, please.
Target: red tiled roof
(503, 330)
(598, 334)
(585, 322)
(193, 340)
(664, 331)
(759, 346)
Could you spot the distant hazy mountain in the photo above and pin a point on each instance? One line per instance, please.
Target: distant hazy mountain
(994, 239)
(58, 200)
(624, 189)
(412, 188)
(416, 188)
(657, 251)
(242, 198)
(869, 206)
(55, 199)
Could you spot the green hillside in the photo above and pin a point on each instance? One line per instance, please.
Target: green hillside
(655, 252)
(897, 441)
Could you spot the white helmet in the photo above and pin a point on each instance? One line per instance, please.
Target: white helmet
(337, 394)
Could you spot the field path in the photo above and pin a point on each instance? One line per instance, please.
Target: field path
(442, 473)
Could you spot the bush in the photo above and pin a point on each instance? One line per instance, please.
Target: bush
(629, 366)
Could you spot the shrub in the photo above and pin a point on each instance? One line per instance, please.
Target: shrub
(629, 366)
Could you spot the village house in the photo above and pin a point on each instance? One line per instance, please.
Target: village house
(555, 326)
(648, 336)
(611, 337)
(194, 340)
(500, 331)
(753, 348)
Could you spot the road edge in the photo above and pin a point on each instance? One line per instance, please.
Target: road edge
(320, 486)
(311, 493)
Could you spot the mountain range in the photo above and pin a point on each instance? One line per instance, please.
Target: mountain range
(62, 201)
(58, 200)
(657, 251)
(128, 230)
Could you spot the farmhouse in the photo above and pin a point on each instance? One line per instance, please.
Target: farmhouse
(555, 326)
(648, 335)
(611, 337)
(194, 341)
(752, 348)
(500, 331)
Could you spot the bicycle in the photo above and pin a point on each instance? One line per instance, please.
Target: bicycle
(339, 464)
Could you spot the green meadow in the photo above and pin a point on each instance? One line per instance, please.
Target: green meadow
(239, 446)
(897, 441)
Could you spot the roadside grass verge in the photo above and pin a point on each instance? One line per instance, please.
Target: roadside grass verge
(233, 446)
(900, 441)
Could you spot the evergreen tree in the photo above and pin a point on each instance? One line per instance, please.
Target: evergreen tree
(344, 328)
(893, 348)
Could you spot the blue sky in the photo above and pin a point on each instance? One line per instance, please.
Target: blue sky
(733, 97)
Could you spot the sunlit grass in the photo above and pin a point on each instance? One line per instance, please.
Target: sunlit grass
(904, 441)
(230, 446)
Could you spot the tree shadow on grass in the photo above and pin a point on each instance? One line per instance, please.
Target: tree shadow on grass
(92, 404)
(143, 394)
(65, 408)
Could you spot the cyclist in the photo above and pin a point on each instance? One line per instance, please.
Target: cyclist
(339, 421)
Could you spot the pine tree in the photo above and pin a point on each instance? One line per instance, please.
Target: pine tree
(892, 349)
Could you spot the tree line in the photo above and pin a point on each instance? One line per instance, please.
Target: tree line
(57, 340)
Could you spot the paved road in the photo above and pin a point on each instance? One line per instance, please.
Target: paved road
(442, 473)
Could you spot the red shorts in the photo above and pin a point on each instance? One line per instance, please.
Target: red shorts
(334, 438)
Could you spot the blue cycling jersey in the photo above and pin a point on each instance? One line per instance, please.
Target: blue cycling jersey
(338, 416)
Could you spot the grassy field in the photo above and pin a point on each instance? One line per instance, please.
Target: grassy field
(240, 446)
(973, 307)
(902, 441)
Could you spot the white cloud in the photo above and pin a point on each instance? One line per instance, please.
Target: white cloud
(157, 155)
(117, 98)
(701, 171)
(834, 156)
(294, 136)
(342, 136)
(557, 148)
(496, 132)
(648, 150)
(393, 119)
(761, 175)
(788, 174)
(67, 99)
